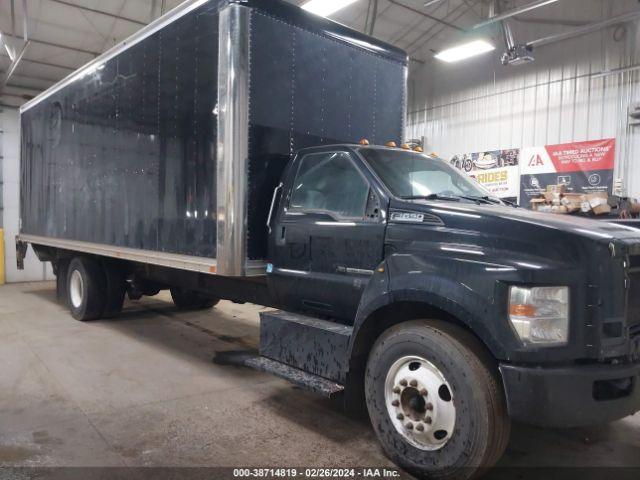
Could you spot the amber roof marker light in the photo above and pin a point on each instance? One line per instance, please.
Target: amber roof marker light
(418, 149)
(363, 141)
(391, 144)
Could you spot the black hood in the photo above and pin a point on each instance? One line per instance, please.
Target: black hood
(454, 214)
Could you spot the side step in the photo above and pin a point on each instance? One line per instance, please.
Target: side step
(310, 344)
(308, 381)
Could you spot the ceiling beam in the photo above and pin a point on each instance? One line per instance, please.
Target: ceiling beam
(48, 64)
(22, 87)
(15, 63)
(59, 45)
(35, 77)
(426, 15)
(419, 42)
(98, 12)
(22, 97)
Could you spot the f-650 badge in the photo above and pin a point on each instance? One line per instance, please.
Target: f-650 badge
(407, 217)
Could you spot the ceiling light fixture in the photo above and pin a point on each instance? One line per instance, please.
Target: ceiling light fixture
(324, 8)
(464, 51)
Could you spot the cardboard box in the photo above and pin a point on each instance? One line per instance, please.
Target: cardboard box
(545, 208)
(562, 188)
(573, 201)
(602, 209)
(597, 198)
(536, 203)
(559, 209)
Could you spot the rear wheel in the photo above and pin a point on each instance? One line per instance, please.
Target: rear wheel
(115, 289)
(62, 267)
(435, 401)
(191, 300)
(86, 288)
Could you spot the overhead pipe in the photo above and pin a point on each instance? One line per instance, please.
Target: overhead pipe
(426, 15)
(552, 21)
(6, 46)
(13, 17)
(592, 27)
(25, 22)
(516, 11)
(374, 17)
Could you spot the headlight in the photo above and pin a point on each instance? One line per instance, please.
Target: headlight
(540, 315)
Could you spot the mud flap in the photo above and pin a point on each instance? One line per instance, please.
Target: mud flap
(21, 252)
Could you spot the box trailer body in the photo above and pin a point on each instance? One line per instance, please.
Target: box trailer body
(167, 148)
(216, 154)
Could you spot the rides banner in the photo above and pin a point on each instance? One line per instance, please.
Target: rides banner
(583, 167)
(495, 170)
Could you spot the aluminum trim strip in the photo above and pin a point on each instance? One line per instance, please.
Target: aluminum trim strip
(232, 143)
(163, 259)
(169, 17)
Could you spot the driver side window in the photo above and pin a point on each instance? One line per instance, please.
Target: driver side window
(329, 182)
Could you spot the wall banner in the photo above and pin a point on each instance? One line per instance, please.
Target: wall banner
(584, 167)
(497, 170)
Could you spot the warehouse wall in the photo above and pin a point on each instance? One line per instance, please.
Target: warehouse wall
(10, 151)
(564, 96)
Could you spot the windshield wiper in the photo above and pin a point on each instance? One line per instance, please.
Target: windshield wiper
(433, 196)
(484, 199)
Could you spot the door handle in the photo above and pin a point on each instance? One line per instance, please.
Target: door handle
(273, 202)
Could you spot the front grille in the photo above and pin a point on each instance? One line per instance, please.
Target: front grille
(633, 299)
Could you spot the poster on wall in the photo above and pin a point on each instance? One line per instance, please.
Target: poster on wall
(583, 167)
(495, 170)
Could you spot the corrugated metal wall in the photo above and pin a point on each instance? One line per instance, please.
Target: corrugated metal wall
(10, 150)
(571, 93)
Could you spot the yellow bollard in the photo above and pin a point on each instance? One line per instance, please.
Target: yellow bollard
(2, 277)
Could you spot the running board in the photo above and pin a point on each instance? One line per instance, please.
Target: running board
(308, 381)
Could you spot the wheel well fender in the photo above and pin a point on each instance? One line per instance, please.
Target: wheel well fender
(399, 306)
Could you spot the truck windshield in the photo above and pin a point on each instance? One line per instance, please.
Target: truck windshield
(413, 175)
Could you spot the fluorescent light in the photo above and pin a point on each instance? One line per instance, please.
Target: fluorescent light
(324, 8)
(466, 50)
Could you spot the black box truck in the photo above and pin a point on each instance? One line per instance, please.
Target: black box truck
(217, 154)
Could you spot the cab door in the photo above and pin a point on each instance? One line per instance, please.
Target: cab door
(328, 237)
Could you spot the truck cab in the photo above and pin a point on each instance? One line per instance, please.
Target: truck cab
(405, 250)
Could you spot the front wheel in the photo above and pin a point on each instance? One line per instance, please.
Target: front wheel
(435, 401)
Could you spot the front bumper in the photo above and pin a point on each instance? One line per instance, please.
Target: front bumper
(571, 396)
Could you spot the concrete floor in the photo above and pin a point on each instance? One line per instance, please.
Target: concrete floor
(141, 390)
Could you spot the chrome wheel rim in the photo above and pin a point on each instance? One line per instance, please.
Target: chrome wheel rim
(76, 289)
(420, 403)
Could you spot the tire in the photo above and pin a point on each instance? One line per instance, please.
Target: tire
(115, 289)
(461, 377)
(191, 300)
(86, 287)
(61, 271)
